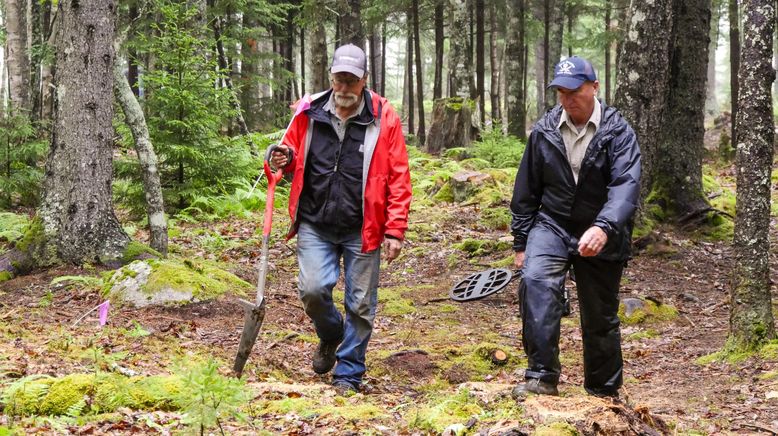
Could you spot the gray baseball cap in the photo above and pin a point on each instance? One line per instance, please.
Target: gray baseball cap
(349, 59)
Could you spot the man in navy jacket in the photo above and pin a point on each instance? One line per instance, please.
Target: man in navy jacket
(573, 202)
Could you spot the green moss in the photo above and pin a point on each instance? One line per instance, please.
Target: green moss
(651, 313)
(480, 247)
(643, 334)
(204, 280)
(135, 249)
(497, 218)
(770, 375)
(475, 360)
(35, 244)
(769, 351)
(443, 409)
(447, 308)
(556, 429)
(445, 194)
(5, 276)
(23, 397)
(505, 262)
(66, 393)
(12, 226)
(307, 408)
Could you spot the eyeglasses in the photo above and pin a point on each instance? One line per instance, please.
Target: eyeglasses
(348, 81)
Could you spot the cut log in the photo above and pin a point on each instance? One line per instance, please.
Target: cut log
(498, 356)
(452, 124)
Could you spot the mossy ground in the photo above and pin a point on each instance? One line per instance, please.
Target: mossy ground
(652, 313)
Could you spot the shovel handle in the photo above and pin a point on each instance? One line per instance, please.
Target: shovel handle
(272, 180)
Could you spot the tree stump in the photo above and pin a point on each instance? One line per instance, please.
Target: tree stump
(452, 124)
(465, 184)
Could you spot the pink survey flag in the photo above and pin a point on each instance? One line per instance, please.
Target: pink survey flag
(104, 312)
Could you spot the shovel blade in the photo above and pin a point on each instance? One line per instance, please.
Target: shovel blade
(254, 315)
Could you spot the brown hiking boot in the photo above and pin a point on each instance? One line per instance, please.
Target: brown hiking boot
(324, 357)
(534, 386)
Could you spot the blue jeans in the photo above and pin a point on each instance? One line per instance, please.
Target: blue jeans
(319, 253)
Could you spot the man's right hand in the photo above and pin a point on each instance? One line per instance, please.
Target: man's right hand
(279, 158)
(518, 260)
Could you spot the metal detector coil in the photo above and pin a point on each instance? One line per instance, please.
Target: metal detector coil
(482, 284)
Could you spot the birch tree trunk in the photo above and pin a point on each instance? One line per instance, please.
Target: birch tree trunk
(18, 57)
(751, 320)
(76, 214)
(643, 73)
(679, 160)
(515, 100)
(133, 114)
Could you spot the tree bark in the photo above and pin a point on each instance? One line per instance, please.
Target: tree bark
(409, 69)
(554, 47)
(18, 57)
(376, 57)
(679, 160)
(77, 210)
(480, 60)
(132, 58)
(515, 100)
(540, 11)
(494, 65)
(437, 91)
(711, 102)
(351, 24)
(419, 73)
(459, 69)
(734, 65)
(643, 73)
(152, 187)
(608, 46)
(318, 57)
(751, 320)
(40, 16)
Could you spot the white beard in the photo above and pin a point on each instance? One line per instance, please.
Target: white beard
(346, 99)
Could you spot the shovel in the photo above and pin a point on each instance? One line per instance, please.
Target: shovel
(255, 312)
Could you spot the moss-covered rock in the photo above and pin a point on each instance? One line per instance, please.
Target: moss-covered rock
(638, 311)
(170, 281)
(495, 218)
(135, 250)
(66, 393)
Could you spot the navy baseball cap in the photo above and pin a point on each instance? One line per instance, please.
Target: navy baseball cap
(572, 72)
(349, 59)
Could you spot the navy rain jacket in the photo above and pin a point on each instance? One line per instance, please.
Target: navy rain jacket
(608, 183)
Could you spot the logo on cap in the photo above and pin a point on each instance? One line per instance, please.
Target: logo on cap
(566, 67)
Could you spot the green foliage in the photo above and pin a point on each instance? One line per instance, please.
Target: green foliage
(499, 150)
(207, 397)
(185, 114)
(21, 158)
(12, 226)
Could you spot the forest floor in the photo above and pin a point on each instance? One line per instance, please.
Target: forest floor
(428, 365)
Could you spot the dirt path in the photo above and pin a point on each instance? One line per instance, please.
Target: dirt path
(428, 366)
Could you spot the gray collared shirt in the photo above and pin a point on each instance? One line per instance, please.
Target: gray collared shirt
(341, 124)
(577, 141)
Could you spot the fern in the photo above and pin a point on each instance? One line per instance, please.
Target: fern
(25, 395)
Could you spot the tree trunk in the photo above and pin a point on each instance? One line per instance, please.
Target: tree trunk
(376, 58)
(351, 24)
(77, 210)
(751, 320)
(515, 100)
(554, 47)
(623, 8)
(132, 58)
(459, 69)
(18, 58)
(679, 160)
(383, 56)
(152, 187)
(711, 102)
(641, 92)
(540, 13)
(437, 91)
(480, 60)
(494, 65)
(419, 73)
(734, 65)
(409, 70)
(302, 61)
(608, 46)
(319, 60)
(41, 16)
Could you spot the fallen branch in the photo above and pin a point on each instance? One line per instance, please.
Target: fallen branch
(764, 427)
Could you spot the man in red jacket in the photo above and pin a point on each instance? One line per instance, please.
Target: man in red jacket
(350, 195)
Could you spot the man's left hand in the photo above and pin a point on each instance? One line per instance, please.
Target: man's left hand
(592, 242)
(392, 248)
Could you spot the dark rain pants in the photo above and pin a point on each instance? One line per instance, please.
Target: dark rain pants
(549, 254)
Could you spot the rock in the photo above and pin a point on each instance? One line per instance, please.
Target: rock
(633, 304)
(170, 282)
